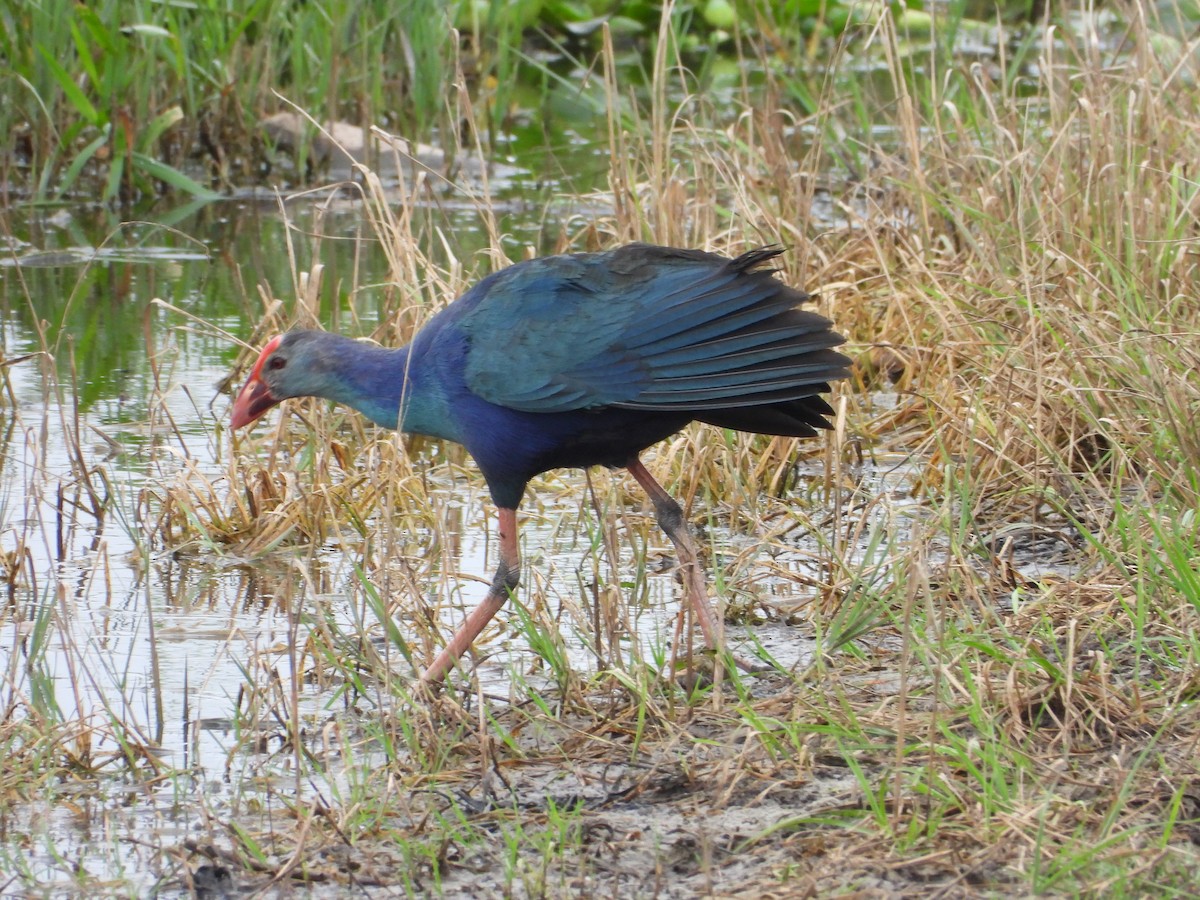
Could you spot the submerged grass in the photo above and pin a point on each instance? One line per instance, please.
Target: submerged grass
(1002, 691)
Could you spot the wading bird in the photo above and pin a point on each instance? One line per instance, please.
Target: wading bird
(579, 360)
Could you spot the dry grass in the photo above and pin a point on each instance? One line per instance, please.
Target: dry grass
(1015, 265)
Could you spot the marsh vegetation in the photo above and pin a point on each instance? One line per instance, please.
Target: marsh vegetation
(978, 598)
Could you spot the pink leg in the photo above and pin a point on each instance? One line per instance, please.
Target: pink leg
(508, 573)
(671, 520)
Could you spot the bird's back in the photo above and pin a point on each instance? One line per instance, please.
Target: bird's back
(652, 328)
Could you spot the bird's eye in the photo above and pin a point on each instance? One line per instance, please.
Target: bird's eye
(276, 362)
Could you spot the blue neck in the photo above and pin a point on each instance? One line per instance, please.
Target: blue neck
(377, 382)
(370, 379)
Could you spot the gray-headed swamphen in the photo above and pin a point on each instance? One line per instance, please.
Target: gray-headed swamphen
(579, 360)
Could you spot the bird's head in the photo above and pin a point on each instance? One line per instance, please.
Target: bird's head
(291, 365)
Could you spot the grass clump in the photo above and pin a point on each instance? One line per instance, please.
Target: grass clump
(126, 94)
